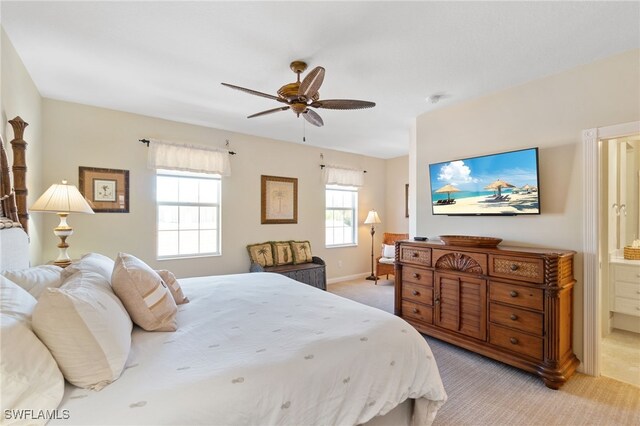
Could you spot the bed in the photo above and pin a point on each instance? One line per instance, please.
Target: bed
(263, 349)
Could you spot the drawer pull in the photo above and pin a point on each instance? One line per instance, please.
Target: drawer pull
(415, 275)
(513, 267)
(415, 310)
(415, 254)
(513, 341)
(437, 301)
(513, 293)
(415, 292)
(513, 317)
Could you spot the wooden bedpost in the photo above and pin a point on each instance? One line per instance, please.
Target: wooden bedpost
(20, 170)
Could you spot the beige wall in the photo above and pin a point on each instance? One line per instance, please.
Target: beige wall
(549, 113)
(79, 135)
(397, 172)
(19, 97)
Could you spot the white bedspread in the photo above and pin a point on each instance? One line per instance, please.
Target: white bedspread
(261, 349)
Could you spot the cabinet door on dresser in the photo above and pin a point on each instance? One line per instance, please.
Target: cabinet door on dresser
(460, 304)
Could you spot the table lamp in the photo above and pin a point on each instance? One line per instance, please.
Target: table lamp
(62, 199)
(372, 219)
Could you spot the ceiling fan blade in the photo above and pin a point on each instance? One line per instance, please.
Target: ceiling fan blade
(254, 92)
(313, 118)
(343, 104)
(269, 111)
(311, 83)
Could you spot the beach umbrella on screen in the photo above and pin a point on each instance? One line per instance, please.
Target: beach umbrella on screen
(448, 189)
(498, 185)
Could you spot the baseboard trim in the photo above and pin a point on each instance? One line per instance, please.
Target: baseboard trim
(335, 280)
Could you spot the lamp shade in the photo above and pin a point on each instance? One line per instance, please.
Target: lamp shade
(372, 218)
(62, 198)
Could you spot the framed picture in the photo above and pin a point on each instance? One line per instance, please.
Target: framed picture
(406, 200)
(279, 200)
(107, 190)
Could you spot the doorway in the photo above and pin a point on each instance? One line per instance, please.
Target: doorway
(597, 296)
(620, 275)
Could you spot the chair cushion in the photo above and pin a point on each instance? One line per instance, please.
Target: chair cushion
(387, 260)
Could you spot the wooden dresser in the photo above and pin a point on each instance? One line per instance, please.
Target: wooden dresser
(511, 304)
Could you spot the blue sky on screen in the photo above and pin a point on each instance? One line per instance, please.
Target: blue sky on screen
(473, 174)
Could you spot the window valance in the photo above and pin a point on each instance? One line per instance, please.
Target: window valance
(189, 158)
(335, 175)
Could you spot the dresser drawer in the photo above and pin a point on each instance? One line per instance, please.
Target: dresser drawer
(416, 311)
(512, 294)
(519, 268)
(628, 273)
(417, 293)
(510, 316)
(416, 275)
(415, 255)
(627, 290)
(627, 306)
(516, 341)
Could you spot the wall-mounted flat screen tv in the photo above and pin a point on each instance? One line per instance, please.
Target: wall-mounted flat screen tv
(502, 184)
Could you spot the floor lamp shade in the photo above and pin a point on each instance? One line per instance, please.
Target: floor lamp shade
(372, 219)
(62, 199)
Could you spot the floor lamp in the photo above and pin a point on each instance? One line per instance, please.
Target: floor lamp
(62, 199)
(372, 219)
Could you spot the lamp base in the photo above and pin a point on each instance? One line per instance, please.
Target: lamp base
(62, 263)
(372, 278)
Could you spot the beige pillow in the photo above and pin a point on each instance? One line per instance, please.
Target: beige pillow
(29, 376)
(261, 254)
(301, 252)
(144, 294)
(282, 252)
(15, 301)
(91, 262)
(86, 328)
(37, 278)
(174, 286)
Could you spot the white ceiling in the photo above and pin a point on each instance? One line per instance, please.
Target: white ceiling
(167, 59)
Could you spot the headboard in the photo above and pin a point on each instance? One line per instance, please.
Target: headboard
(14, 241)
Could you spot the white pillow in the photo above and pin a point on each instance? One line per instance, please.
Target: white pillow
(15, 301)
(388, 250)
(91, 262)
(86, 328)
(37, 278)
(29, 376)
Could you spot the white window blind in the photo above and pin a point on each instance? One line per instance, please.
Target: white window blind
(188, 158)
(334, 175)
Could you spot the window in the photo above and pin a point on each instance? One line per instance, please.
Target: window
(188, 214)
(341, 215)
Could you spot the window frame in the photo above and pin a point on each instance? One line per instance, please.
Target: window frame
(354, 191)
(217, 204)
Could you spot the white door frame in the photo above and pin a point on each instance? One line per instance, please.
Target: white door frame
(591, 236)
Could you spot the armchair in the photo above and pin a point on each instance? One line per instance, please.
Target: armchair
(385, 265)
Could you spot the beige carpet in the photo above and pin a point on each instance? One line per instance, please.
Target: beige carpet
(486, 392)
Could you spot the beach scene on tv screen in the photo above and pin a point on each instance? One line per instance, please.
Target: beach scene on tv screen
(504, 183)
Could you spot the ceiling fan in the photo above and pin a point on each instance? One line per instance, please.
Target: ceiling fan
(303, 95)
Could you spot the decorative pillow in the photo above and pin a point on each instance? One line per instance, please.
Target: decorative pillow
(91, 262)
(29, 376)
(86, 328)
(37, 278)
(261, 254)
(144, 294)
(301, 252)
(388, 250)
(282, 252)
(174, 286)
(15, 301)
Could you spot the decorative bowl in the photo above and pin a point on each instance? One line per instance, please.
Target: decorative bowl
(470, 241)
